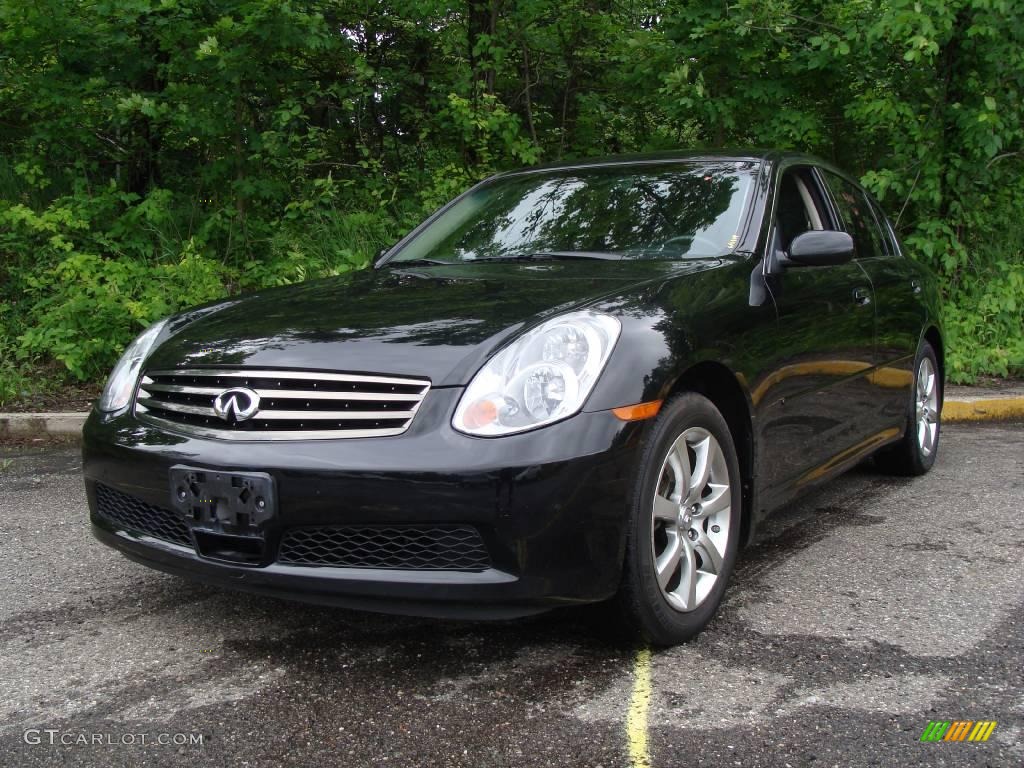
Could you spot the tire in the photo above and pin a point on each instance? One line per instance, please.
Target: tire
(915, 453)
(677, 606)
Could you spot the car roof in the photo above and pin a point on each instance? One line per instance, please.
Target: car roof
(651, 158)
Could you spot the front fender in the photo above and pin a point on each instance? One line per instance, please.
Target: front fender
(682, 322)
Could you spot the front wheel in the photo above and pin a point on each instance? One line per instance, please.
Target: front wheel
(684, 523)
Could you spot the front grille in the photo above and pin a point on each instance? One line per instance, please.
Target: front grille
(136, 515)
(292, 405)
(406, 547)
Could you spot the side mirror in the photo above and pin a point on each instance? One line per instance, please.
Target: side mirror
(820, 248)
(380, 255)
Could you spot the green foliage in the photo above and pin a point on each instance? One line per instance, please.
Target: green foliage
(86, 307)
(985, 306)
(14, 378)
(158, 153)
(985, 325)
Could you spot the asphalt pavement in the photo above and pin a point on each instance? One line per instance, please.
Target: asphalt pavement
(862, 612)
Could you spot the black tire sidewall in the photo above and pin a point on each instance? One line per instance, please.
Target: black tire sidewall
(659, 622)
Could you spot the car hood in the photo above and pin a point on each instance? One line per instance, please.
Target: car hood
(441, 322)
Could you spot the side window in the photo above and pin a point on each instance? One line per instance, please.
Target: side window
(799, 206)
(857, 217)
(892, 246)
(897, 248)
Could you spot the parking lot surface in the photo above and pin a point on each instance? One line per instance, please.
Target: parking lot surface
(861, 613)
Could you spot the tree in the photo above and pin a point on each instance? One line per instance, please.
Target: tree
(218, 145)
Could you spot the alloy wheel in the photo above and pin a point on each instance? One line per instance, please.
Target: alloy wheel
(927, 410)
(691, 519)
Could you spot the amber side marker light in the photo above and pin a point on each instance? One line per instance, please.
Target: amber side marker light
(639, 411)
(481, 413)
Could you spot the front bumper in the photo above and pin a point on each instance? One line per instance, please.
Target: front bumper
(550, 506)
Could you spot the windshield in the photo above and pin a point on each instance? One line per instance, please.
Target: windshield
(670, 211)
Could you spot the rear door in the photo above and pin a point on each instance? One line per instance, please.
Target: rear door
(898, 313)
(815, 394)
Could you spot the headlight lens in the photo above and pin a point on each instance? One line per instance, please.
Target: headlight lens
(543, 376)
(121, 383)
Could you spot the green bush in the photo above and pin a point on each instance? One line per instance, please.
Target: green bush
(86, 308)
(87, 272)
(15, 378)
(985, 325)
(156, 154)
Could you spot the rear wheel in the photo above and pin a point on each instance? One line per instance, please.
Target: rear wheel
(915, 453)
(684, 523)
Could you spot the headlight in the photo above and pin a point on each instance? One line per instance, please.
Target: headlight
(122, 379)
(543, 376)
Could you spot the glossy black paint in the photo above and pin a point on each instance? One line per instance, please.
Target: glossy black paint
(813, 364)
(441, 322)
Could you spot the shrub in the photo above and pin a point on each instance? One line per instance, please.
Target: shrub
(985, 324)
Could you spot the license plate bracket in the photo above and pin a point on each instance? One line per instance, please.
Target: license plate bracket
(234, 503)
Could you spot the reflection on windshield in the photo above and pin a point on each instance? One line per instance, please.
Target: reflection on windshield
(678, 210)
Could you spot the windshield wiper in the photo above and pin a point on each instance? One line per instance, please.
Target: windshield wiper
(553, 255)
(417, 263)
(532, 256)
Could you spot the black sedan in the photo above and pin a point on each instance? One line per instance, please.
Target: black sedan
(576, 383)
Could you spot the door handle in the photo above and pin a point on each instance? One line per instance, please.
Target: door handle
(862, 296)
(915, 285)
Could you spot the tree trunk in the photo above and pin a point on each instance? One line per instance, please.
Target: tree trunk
(950, 74)
(527, 95)
(482, 21)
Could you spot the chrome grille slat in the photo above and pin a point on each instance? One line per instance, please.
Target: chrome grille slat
(304, 434)
(252, 373)
(196, 410)
(283, 394)
(335, 415)
(183, 389)
(305, 405)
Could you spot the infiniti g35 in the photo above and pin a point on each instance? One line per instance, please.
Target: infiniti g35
(578, 383)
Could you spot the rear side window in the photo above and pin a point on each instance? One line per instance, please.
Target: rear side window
(858, 219)
(888, 233)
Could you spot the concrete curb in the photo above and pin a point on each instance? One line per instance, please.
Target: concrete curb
(983, 409)
(64, 424)
(991, 406)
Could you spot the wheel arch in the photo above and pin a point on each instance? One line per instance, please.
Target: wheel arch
(934, 337)
(716, 382)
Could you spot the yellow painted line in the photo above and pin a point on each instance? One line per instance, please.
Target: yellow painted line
(995, 409)
(636, 717)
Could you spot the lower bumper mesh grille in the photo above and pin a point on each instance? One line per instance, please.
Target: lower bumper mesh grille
(139, 516)
(399, 547)
(403, 547)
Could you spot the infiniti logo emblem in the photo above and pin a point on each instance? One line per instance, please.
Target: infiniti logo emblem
(236, 404)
